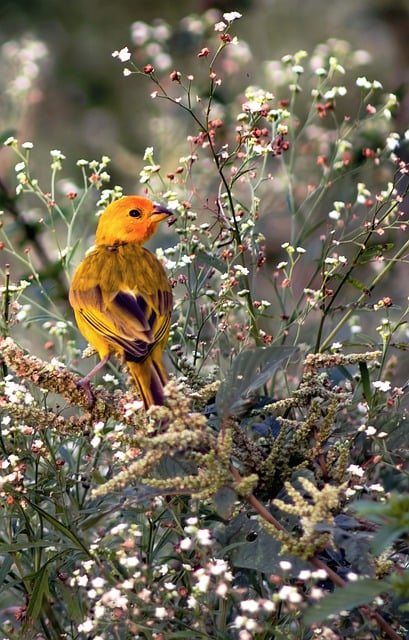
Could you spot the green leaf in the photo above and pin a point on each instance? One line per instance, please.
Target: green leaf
(353, 281)
(250, 371)
(213, 261)
(73, 603)
(355, 594)
(375, 250)
(60, 527)
(366, 382)
(8, 133)
(386, 536)
(14, 547)
(40, 591)
(5, 568)
(249, 546)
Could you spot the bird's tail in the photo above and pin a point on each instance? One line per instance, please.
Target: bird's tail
(150, 378)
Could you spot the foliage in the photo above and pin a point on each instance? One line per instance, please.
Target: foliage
(269, 494)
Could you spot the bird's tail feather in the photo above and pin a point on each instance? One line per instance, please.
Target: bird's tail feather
(150, 379)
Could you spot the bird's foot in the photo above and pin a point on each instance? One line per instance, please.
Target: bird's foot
(85, 385)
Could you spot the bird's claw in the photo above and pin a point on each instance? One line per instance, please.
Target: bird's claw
(85, 385)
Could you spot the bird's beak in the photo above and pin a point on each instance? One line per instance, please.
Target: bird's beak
(160, 213)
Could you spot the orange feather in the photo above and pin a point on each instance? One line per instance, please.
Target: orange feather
(122, 298)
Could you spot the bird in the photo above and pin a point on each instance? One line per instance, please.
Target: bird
(122, 298)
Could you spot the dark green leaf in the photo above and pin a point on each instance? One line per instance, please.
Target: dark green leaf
(60, 527)
(250, 371)
(366, 383)
(386, 536)
(8, 133)
(213, 261)
(224, 500)
(249, 546)
(14, 547)
(40, 590)
(5, 568)
(73, 603)
(355, 594)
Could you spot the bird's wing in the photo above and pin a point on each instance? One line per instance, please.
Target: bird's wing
(126, 319)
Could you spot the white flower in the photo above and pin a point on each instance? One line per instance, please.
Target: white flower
(185, 544)
(98, 582)
(251, 606)
(56, 154)
(356, 470)
(232, 15)
(316, 593)
(305, 574)
(219, 567)
(169, 586)
(370, 431)
(10, 142)
(203, 580)
(86, 626)
(241, 270)
(382, 385)
(285, 565)
(287, 593)
(204, 537)
(123, 54)
(108, 377)
(336, 346)
(114, 598)
(220, 26)
(376, 487)
(160, 612)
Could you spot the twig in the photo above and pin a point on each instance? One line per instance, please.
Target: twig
(61, 381)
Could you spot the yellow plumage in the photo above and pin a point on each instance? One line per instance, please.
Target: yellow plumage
(121, 295)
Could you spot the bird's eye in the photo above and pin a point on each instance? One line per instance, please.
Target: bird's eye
(135, 213)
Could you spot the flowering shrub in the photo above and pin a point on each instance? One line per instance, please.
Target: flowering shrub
(268, 496)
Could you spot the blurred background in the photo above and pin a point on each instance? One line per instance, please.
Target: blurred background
(60, 86)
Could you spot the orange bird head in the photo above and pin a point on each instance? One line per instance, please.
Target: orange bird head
(131, 219)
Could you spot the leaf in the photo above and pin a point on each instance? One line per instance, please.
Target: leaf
(60, 527)
(40, 590)
(353, 281)
(213, 261)
(250, 371)
(375, 250)
(386, 536)
(366, 383)
(355, 594)
(225, 501)
(249, 546)
(5, 568)
(8, 133)
(73, 603)
(14, 547)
